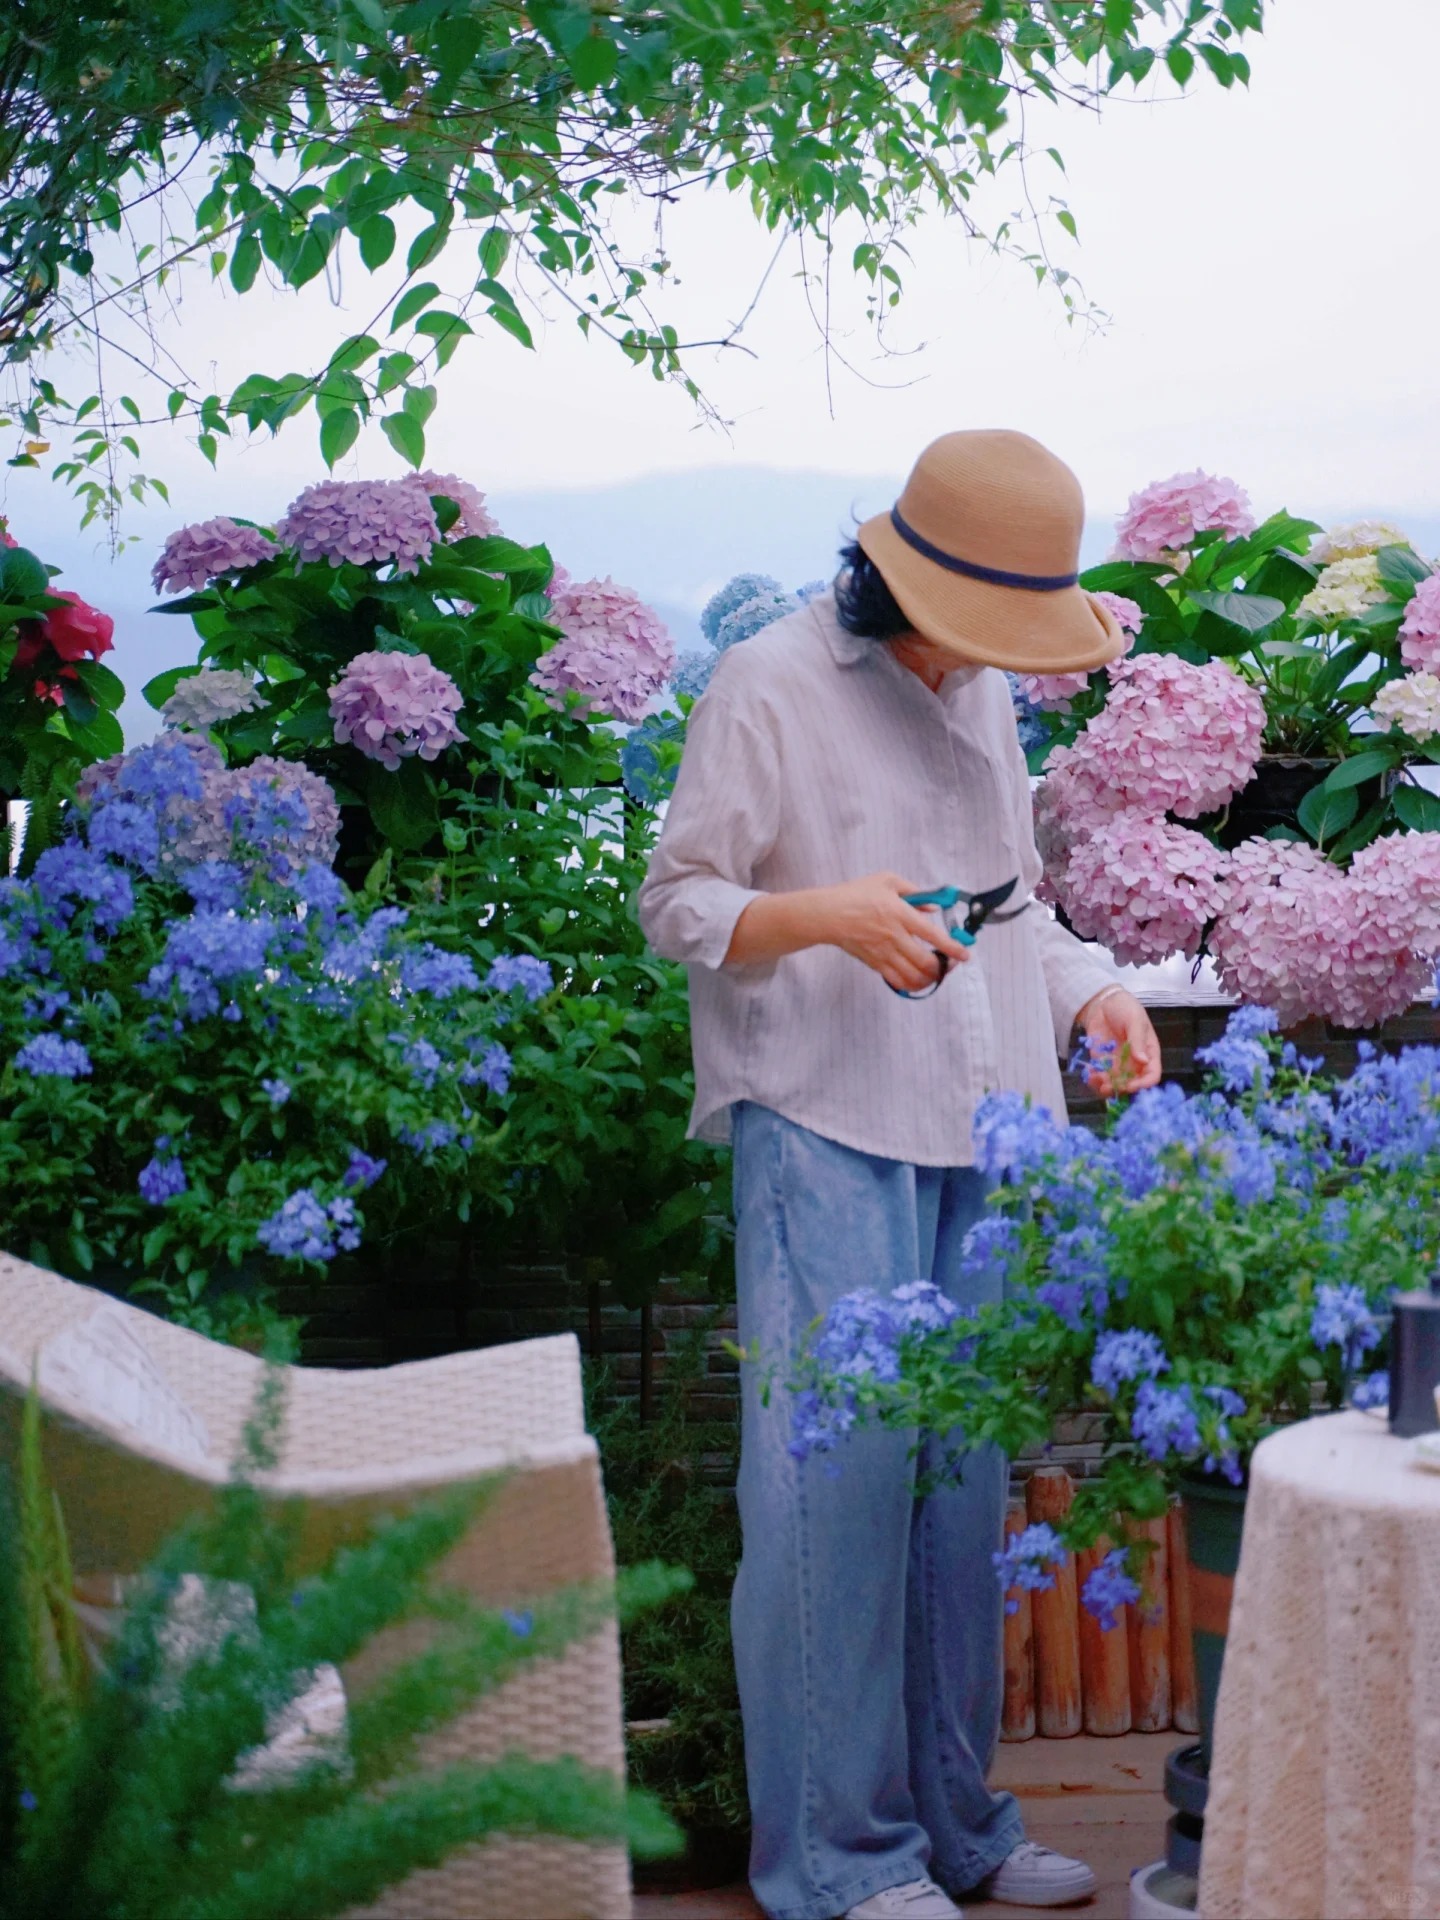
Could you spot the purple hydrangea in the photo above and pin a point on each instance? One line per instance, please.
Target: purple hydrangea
(1127, 1355)
(429, 969)
(391, 705)
(210, 550)
(364, 522)
(614, 651)
(1028, 1561)
(475, 520)
(1108, 1588)
(161, 1179)
(1344, 1318)
(511, 970)
(744, 586)
(49, 1056)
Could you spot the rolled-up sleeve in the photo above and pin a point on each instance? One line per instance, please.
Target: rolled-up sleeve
(721, 823)
(1074, 972)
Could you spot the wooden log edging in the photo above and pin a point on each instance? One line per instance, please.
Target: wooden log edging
(1062, 1673)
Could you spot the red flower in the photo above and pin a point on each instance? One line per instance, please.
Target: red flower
(72, 631)
(5, 540)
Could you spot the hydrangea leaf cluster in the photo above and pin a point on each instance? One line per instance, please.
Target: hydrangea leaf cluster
(1191, 1275)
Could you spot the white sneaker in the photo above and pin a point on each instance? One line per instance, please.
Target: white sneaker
(1036, 1876)
(916, 1900)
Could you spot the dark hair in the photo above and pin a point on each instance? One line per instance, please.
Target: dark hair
(864, 605)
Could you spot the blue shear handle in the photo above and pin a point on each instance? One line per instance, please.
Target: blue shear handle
(945, 898)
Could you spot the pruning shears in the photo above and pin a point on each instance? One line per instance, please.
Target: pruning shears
(979, 907)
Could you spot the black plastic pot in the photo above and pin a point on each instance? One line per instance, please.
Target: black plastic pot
(1273, 797)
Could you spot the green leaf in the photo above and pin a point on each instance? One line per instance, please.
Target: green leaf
(419, 403)
(245, 263)
(406, 435)
(413, 302)
(1418, 808)
(593, 61)
(511, 321)
(338, 433)
(354, 352)
(377, 240)
(1323, 814)
(157, 691)
(494, 252)
(1359, 768)
(107, 687)
(1251, 612)
(22, 574)
(1181, 62)
(1401, 567)
(403, 804)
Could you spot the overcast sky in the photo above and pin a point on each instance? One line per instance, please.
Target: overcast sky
(1269, 259)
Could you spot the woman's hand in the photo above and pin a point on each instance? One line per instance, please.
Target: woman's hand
(869, 919)
(1118, 1021)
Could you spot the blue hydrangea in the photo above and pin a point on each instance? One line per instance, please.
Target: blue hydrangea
(1108, 1588)
(1372, 1391)
(161, 1179)
(812, 590)
(1127, 1355)
(362, 1171)
(47, 1055)
(1011, 1136)
(693, 672)
(1343, 1318)
(429, 969)
(744, 586)
(752, 617)
(522, 970)
(1165, 1421)
(640, 769)
(126, 831)
(1031, 728)
(1029, 1561)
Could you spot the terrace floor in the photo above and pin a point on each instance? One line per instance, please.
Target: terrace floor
(1100, 1799)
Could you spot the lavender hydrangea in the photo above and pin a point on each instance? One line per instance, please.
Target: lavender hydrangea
(47, 1056)
(1029, 1562)
(1126, 1355)
(1344, 1318)
(161, 1179)
(203, 700)
(475, 520)
(362, 522)
(614, 651)
(734, 594)
(210, 550)
(753, 616)
(1109, 1587)
(391, 705)
(522, 971)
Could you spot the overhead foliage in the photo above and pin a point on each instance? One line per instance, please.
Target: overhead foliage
(287, 138)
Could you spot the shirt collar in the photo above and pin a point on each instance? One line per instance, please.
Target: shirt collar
(846, 649)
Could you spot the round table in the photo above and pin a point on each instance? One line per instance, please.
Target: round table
(1325, 1784)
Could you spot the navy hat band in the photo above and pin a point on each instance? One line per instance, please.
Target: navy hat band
(992, 576)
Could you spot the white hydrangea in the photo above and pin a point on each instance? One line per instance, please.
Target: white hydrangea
(1354, 540)
(1411, 704)
(210, 696)
(1344, 590)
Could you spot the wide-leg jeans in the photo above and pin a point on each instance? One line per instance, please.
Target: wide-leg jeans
(867, 1623)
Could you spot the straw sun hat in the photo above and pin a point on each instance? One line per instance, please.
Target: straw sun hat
(982, 550)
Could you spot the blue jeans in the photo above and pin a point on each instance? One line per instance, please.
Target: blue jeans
(867, 1623)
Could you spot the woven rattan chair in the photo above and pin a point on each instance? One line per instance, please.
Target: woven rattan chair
(142, 1420)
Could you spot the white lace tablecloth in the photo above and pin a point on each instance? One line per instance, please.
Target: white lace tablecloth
(1325, 1787)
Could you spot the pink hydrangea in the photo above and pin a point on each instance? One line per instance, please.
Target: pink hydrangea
(1143, 886)
(1172, 737)
(1264, 940)
(363, 522)
(194, 556)
(1420, 629)
(1163, 519)
(476, 519)
(390, 705)
(1053, 692)
(615, 651)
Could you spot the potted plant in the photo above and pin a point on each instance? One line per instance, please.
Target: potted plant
(1243, 783)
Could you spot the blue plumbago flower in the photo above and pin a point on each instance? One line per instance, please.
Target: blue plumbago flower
(430, 1138)
(693, 672)
(1240, 1058)
(1065, 1298)
(522, 970)
(1343, 1318)
(1230, 1403)
(1092, 1054)
(817, 1422)
(1335, 1223)
(1128, 1355)
(217, 886)
(1156, 1120)
(858, 1337)
(991, 1249)
(1165, 1421)
(126, 831)
(1108, 1588)
(492, 1069)
(429, 969)
(920, 1307)
(355, 954)
(299, 1229)
(1306, 1063)
(1080, 1257)
(362, 1171)
(161, 1179)
(1011, 1136)
(277, 1092)
(1388, 1110)
(1225, 1457)
(640, 769)
(71, 874)
(1372, 1391)
(44, 1006)
(28, 1802)
(1028, 1561)
(735, 592)
(341, 1214)
(322, 890)
(423, 1059)
(48, 1055)
(165, 770)
(206, 948)
(522, 1625)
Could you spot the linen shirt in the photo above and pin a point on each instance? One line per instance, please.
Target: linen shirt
(813, 758)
